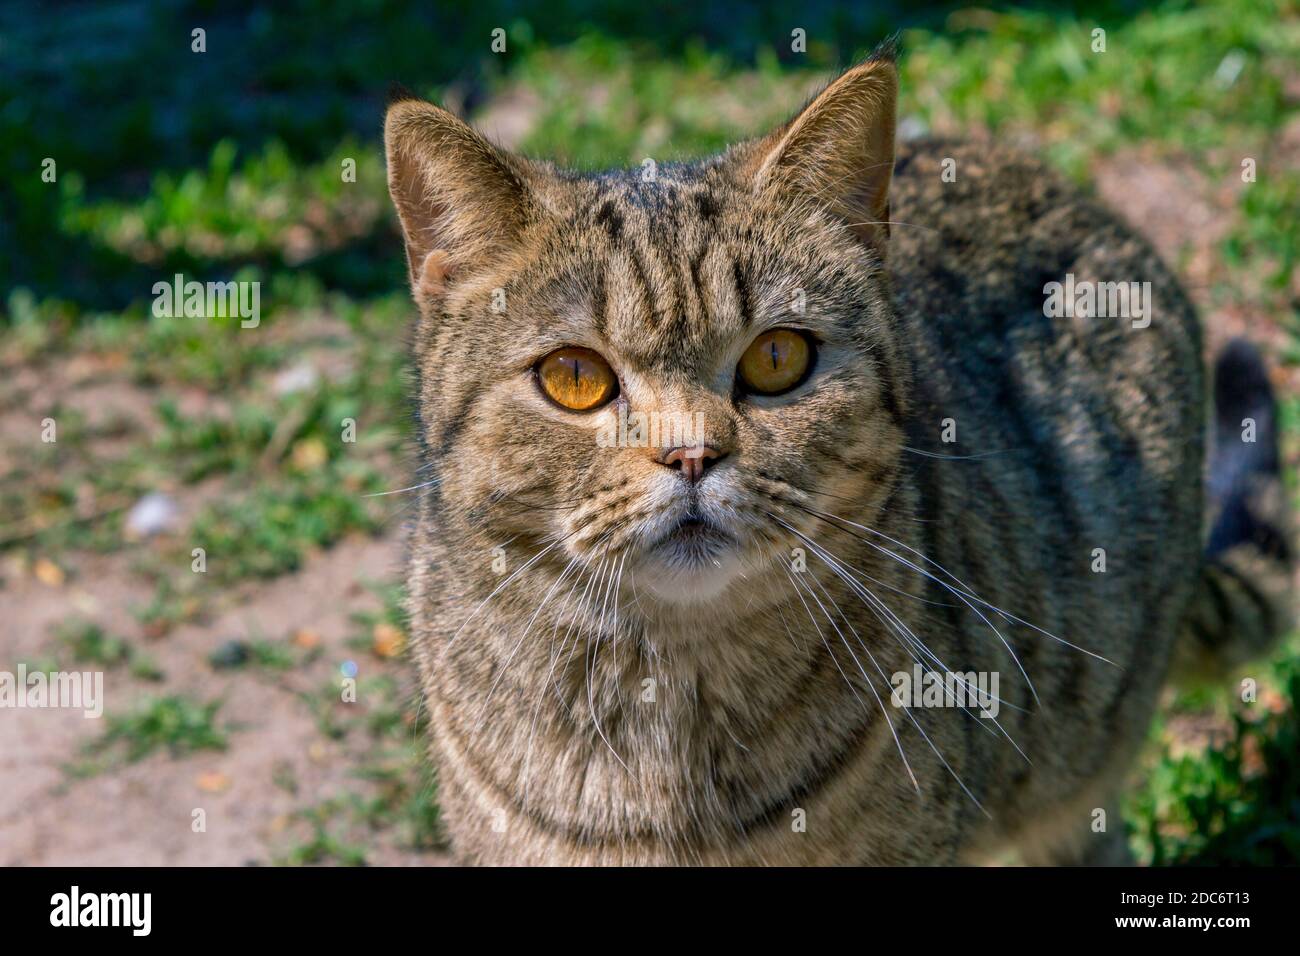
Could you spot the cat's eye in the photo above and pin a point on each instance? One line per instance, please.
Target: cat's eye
(577, 379)
(776, 362)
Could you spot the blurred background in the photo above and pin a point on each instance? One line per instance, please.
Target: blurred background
(223, 687)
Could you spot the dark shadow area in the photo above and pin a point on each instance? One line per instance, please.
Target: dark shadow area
(115, 92)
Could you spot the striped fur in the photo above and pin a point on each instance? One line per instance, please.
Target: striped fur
(585, 711)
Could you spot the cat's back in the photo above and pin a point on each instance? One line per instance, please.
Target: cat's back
(1057, 457)
(1050, 334)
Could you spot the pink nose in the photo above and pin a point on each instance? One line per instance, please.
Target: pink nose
(692, 462)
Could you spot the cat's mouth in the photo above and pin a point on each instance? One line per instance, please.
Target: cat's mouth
(694, 536)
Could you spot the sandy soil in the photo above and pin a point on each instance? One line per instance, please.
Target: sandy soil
(141, 813)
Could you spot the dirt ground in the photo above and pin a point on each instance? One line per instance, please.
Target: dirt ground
(141, 813)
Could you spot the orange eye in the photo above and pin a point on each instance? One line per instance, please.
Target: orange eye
(776, 362)
(577, 379)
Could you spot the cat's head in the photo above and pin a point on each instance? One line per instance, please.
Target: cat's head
(656, 367)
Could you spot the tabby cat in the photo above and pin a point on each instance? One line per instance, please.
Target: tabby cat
(906, 467)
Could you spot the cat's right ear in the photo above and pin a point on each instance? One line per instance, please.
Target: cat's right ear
(461, 200)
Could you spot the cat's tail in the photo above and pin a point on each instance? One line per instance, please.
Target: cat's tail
(1244, 600)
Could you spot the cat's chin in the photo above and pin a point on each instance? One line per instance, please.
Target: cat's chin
(689, 582)
(689, 566)
(693, 562)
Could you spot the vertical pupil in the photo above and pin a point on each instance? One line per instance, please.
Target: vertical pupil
(774, 356)
(576, 363)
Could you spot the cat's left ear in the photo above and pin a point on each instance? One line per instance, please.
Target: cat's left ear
(839, 149)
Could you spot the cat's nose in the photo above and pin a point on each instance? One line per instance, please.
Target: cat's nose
(692, 461)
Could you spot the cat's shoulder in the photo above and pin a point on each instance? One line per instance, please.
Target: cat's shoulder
(1005, 223)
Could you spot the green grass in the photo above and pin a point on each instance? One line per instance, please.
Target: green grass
(271, 531)
(323, 845)
(264, 207)
(88, 643)
(609, 104)
(173, 723)
(1235, 804)
(1268, 235)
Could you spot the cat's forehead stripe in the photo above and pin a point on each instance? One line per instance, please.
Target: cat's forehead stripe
(678, 267)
